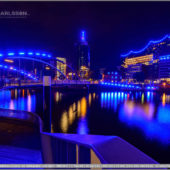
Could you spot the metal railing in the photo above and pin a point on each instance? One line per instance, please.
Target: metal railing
(90, 149)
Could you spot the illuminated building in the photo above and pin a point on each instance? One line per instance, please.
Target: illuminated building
(164, 68)
(71, 76)
(82, 54)
(148, 64)
(61, 66)
(112, 76)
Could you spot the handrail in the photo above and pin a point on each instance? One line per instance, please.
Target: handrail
(90, 149)
(16, 114)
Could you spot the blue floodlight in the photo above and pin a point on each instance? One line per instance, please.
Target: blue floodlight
(11, 54)
(37, 53)
(30, 53)
(21, 53)
(83, 37)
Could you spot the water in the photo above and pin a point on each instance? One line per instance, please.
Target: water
(141, 118)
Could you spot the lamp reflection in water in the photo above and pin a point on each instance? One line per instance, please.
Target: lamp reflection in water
(10, 99)
(31, 102)
(64, 122)
(142, 98)
(142, 116)
(83, 103)
(90, 98)
(74, 112)
(112, 99)
(82, 124)
(163, 99)
(11, 105)
(94, 95)
(58, 96)
(23, 92)
(71, 115)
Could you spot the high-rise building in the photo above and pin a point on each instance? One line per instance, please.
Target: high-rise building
(82, 53)
(61, 65)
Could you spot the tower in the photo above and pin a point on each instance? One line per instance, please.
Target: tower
(82, 53)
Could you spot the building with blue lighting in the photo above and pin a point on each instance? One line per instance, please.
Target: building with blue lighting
(82, 54)
(111, 76)
(164, 67)
(150, 64)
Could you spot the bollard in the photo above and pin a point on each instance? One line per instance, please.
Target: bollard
(47, 103)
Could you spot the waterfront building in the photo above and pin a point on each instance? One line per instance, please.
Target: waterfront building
(148, 64)
(111, 76)
(82, 54)
(164, 68)
(61, 65)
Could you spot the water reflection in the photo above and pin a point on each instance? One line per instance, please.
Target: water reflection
(58, 96)
(147, 111)
(142, 116)
(64, 122)
(112, 99)
(141, 110)
(82, 126)
(77, 110)
(154, 123)
(18, 100)
(83, 108)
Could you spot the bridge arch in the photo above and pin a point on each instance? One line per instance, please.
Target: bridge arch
(22, 72)
(38, 60)
(36, 55)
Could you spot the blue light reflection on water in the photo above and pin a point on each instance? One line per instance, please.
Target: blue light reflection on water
(134, 109)
(82, 126)
(17, 100)
(152, 119)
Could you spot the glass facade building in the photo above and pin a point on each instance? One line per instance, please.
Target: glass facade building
(60, 66)
(150, 64)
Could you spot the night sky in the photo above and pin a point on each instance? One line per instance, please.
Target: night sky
(112, 28)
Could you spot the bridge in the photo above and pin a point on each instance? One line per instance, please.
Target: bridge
(29, 65)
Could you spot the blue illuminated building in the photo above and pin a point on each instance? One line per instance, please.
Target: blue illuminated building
(164, 67)
(112, 76)
(149, 64)
(82, 55)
